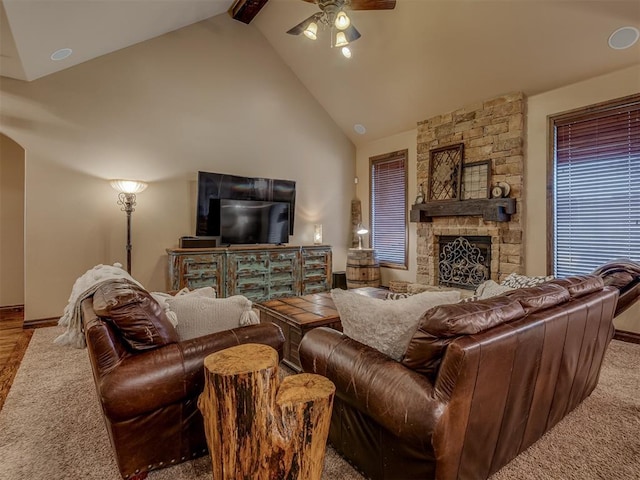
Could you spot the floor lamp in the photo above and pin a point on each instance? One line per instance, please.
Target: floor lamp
(127, 190)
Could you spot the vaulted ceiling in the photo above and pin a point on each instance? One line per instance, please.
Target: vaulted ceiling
(422, 58)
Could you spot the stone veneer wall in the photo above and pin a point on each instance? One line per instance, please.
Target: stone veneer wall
(493, 129)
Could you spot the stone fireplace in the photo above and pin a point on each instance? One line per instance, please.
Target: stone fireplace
(490, 130)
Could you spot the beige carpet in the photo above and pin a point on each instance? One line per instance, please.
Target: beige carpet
(51, 426)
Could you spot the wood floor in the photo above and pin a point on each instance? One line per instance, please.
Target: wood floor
(11, 321)
(14, 340)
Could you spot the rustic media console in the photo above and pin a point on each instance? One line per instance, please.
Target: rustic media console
(259, 272)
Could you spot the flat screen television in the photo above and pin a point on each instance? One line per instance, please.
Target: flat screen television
(253, 221)
(213, 187)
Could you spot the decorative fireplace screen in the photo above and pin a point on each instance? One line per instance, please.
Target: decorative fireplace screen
(464, 262)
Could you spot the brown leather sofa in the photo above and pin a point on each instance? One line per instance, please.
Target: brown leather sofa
(147, 381)
(479, 383)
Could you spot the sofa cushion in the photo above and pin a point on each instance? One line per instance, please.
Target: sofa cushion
(441, 325)
(384, 325)
(201, 315)
(579, 286)
(135, 314)
(540, 297)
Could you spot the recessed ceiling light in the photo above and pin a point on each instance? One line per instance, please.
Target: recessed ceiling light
(624, 37)
(360, 129)
(61, 54)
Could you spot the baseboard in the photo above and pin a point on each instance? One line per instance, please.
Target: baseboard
(12, 308)
(624, 336)
(41, 322)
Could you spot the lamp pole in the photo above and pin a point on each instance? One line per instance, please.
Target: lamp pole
(127, 190)
(128, 201)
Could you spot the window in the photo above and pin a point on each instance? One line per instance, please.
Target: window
(596, 186)
(389, 208)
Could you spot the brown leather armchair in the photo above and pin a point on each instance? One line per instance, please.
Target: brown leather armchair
(147, 381)
(624, 274)
(479, 383)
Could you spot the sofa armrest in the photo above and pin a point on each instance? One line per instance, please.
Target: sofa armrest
(624, 274)
(147, 381)
(399, 399)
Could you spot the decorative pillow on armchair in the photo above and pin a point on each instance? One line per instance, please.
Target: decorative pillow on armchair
(201, 315)
(135, 314)
(384, 325)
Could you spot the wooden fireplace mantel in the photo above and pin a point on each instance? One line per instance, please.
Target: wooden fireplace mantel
(491, 209)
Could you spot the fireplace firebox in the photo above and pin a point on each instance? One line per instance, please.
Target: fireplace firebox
(464, 261)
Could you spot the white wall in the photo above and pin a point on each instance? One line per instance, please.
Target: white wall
(214, 97)
(404, 140)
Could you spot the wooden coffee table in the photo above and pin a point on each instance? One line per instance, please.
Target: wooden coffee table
(297, 315)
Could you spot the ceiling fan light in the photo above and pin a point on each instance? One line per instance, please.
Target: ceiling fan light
(311, 31)
(346, 51)
(342, 21)
(341, 40)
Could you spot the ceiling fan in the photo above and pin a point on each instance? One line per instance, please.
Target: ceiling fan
(332, 15)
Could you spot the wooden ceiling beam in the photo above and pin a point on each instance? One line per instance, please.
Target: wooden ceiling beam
(245, 10)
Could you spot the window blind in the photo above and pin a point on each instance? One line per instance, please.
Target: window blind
(597, 189)
(389, 209)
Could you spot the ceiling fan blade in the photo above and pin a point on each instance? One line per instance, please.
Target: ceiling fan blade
(298, 29)
(352, 33)
(372, 4)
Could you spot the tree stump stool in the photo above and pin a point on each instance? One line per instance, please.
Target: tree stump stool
(256, 429)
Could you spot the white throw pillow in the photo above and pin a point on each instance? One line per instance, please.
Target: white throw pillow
(162, 297)
(491, 289)
(384, 325)
(397, 296)
(202, 292)
(202, 315)
(515, 280)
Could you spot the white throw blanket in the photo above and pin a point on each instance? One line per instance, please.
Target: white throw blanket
(84, 287)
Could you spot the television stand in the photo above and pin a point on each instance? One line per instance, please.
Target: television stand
(259, 272)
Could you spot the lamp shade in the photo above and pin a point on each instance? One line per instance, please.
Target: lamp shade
(311, 31)
(317, 234)
(346, 51)
(361, 230)
(342, 21)
(341, 40)
(128, 186)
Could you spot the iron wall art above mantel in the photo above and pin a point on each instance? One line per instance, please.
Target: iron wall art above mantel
(445, 173)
